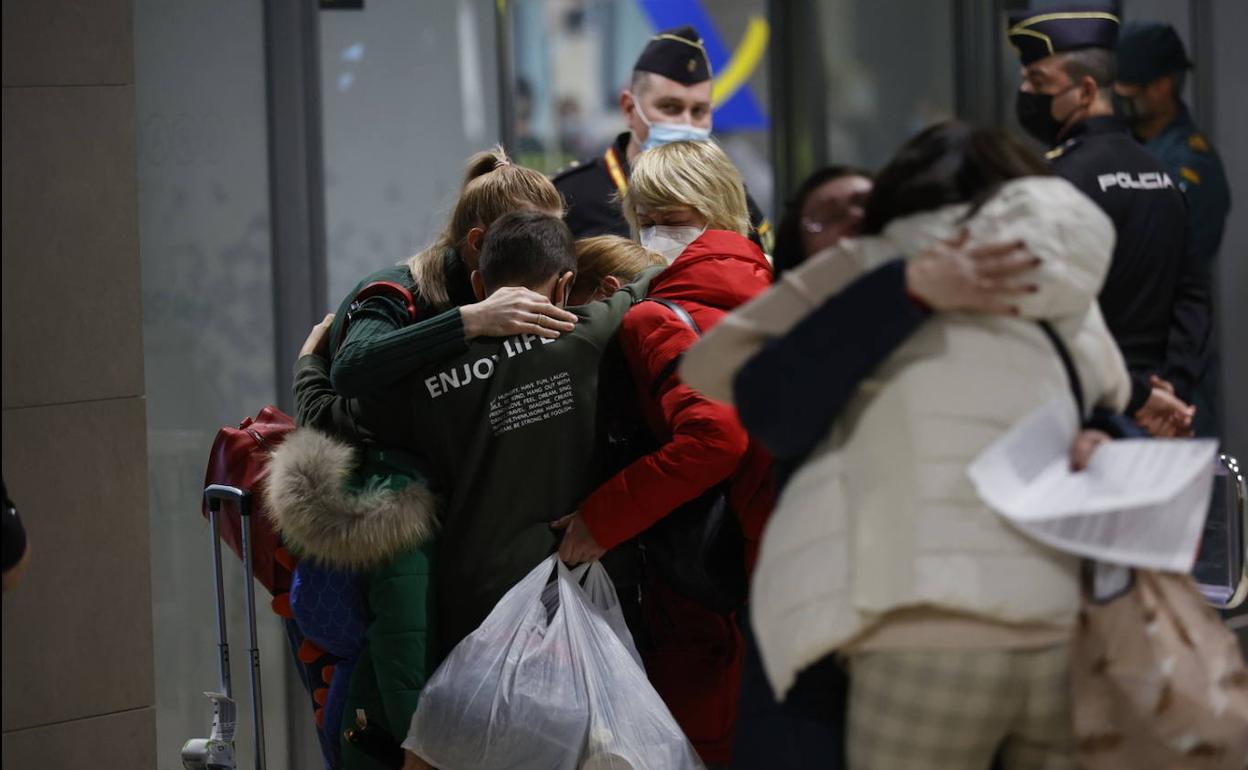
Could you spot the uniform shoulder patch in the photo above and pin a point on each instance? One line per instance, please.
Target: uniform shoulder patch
(1189, 174)
(1061, 149)
(1198, 143)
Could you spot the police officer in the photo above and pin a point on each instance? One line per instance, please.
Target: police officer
(668, 100)
(1155, 298)
(1152, 67)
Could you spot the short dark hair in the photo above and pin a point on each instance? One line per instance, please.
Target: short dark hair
(1100, 64)
(526, 248)
(948, 163)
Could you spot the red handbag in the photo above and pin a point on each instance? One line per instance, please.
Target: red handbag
(240, 458)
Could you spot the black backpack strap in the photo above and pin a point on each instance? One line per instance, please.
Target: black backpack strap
(680, 312)
(1072, 374)
(674, 364)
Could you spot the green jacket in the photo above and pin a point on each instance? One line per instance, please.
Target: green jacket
(512, 429)
(371, 512)
(399, 659)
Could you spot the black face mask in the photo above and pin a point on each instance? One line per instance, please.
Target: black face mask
(1035, 115)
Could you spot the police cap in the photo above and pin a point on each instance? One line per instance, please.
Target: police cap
(1049, 28)
(1148, 50)
(677, 54)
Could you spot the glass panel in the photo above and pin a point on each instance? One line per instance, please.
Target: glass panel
(409, 91)
(573, 57)
(207, 333)
(890, 68)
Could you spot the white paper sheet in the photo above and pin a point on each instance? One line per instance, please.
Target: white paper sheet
(1140, 502)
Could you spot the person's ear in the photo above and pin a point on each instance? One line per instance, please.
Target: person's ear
(627, 101)
(610, 285)
(563, 287)
(471, 253)
(478, 285)
(1088, 90)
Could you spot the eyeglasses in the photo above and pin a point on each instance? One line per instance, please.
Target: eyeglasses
(816, 226)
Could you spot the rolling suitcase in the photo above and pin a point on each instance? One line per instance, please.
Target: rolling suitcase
(216, 752)
(1221, 569)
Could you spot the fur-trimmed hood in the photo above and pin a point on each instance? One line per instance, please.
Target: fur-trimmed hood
(310, 504)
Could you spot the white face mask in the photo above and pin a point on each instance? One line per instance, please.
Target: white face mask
(669, 241)
(659, 134)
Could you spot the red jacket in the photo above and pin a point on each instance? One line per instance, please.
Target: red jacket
(703, 441)
(696, 656)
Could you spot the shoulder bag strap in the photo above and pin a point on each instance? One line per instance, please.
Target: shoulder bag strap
(1072, 374)
(672, 365)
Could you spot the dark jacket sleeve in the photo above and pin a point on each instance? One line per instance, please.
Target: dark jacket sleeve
(1209, 202)
(790, 392)
(1191, 323)
(1141, 389)
(381, 347)
(318, 406)
(1115, 424)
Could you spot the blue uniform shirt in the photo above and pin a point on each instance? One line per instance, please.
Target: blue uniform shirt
(1196, 168)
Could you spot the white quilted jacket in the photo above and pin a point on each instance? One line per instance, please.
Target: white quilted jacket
(882, 515)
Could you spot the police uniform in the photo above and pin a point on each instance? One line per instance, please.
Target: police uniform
(592, 187)
(1146, 52)
(1156, 298)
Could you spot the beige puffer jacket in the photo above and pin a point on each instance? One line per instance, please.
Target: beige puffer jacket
(882, 515)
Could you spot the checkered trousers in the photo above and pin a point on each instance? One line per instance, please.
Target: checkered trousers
(952, 709)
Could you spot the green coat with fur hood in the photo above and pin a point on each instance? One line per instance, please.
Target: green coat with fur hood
(369, 511)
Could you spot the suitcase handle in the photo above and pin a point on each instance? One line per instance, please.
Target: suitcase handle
(215, 493)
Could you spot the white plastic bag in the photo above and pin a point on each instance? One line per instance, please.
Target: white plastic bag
(550, 681)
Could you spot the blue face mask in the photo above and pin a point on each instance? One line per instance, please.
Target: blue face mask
(666, 133)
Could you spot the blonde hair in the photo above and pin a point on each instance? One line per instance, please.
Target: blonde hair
(696, 175)
(493, 186)
(610, 255)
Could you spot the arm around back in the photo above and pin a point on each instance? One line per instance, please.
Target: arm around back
(711, 365)
(793, 388)
(382, 346)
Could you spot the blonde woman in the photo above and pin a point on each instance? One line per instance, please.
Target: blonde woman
(686, 201)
